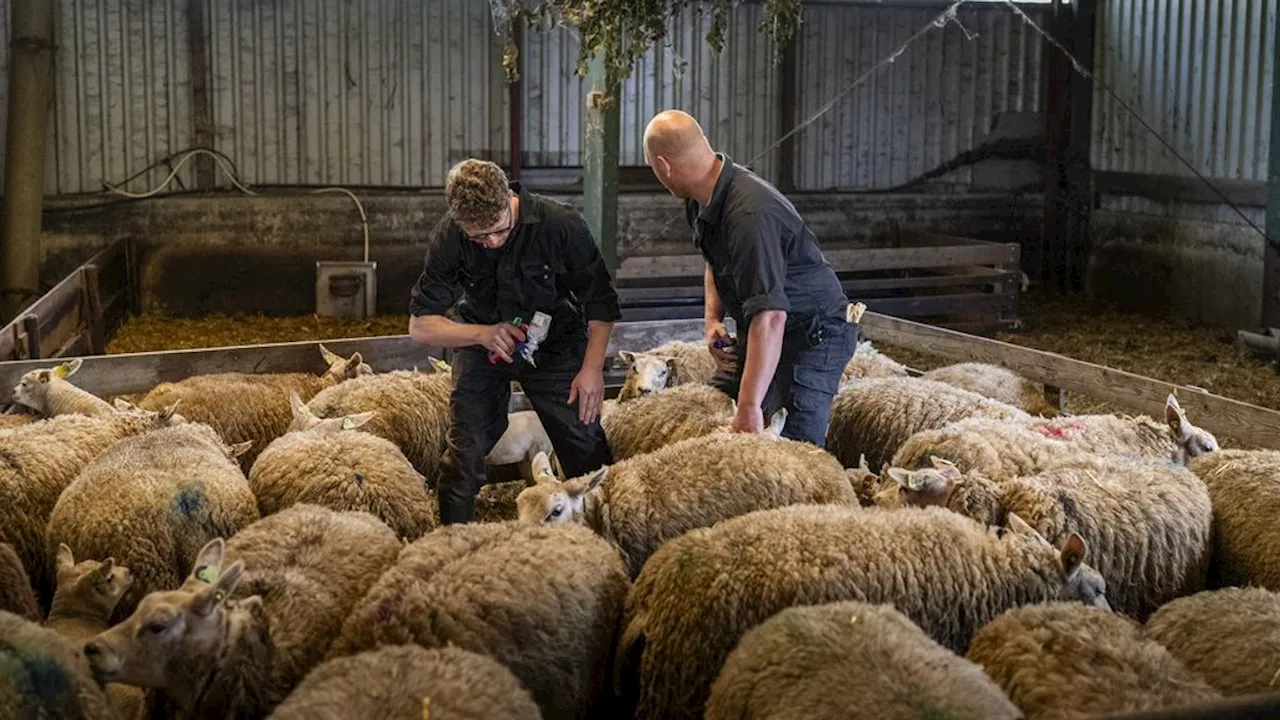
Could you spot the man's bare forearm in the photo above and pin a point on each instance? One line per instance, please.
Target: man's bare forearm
(440, 331)
(764, 348)
(597, 344)
(713, 310)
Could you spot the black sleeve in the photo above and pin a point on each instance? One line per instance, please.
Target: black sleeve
(758, 265)
(586, 275)
(437, 286)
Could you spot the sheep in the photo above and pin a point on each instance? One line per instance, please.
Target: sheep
(654, 497)
(850, 660)
(674, 363)
(44, 675)
(412, 407)
(1149, 522)
(48, 393)
(1229, 637)
(16, 419)
(496, 502)
(255, 615)
(1005, 449)
(251, 407)
(874, 417)
(1063, 660)
(681, 413)
(16, 594)
(701, 591)
(152, 501)
(40, 461)
(523, 439)
(867, 362)
(335, 464)
(997, 383)
(544, 601)
(403, 681)
(1245, 488)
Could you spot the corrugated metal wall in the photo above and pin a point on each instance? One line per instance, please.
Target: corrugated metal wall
(1198, 72)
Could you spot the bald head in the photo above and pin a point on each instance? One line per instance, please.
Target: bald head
(679, 153)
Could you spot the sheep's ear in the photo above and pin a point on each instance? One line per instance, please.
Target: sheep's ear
(106, 566)
(167, 414)
(299, 408)
(44, 376)
(627, 356)
(122, 405)
(353, 365)
(212, 596)
(208, 562)
(66, 560)
(541, 466)
(68, 368)
(351, 422)
(1073, 554)
(577, 488)
(777, 422)
(440, 366)
(239, 449)
(329, 357)
(900, 476)
(862, 463)
(1176, 417)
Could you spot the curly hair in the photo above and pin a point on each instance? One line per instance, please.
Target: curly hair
(477, 192)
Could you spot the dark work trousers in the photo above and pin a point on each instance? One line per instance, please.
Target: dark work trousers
(478, 413)
(806, 380)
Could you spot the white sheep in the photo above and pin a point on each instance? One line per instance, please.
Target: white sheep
(520, 443)
(1245, 488)
(679, 413)
(867, 362)
(674, 363)
(48, 392)
(997, 383)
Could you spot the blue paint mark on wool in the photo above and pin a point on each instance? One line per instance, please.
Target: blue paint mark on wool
(189, 501)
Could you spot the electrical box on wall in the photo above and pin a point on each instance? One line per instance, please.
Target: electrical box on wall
(346, 288)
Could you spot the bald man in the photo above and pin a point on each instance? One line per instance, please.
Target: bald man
(765, 270)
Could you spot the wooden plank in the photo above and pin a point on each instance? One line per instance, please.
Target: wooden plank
(1231, 418)
(93, 311)
(852, 287)
(985, 303)
(31, 323)
(8, 343)
(133, 283)
(1173, 187)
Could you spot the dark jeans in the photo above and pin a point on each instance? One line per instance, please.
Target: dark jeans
(805, 382)
(478, 411)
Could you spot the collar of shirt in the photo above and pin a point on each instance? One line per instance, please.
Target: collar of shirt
(711, 213)
(530, 210)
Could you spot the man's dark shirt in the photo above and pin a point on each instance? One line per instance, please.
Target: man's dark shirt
(762, 254)
(549, 262)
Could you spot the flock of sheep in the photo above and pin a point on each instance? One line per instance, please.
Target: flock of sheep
(251, 546)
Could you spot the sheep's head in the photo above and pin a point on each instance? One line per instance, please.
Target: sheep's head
(1081, 583)
(90, 588)
(341, 368)
(165, 417)
(1193, 441)
(34, 387)
(154, 646)
(305, 420)
(646, 374)
(923, 487)
(551, 501)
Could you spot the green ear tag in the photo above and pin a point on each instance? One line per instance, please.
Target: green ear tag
(207, 573)
(60, 371)
(348, 423)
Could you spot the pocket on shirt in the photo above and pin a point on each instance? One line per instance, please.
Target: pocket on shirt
(539, 284)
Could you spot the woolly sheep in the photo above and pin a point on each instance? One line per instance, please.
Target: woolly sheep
(404, 681)
(44, 675)
(10, 420)
(640, 503)
(544, 601)
(255, 615)
(334, 464)
(16, 594)
(850, 660)
(41, 461)
(701, 591)
(152, 501)
(251, 407)
(867, 362)
(1245, 488)
(47, 392)
(1149, 523)
(1228, 637)
(496, 502)
(412, 412)
(671, 364)
(1064, 660)
(997, 383)
(680, 413)
(1005, 449)
(875, 417)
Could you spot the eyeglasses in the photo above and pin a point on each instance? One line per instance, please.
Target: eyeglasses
(495, 233)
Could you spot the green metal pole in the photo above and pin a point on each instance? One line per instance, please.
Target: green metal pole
(1271, 253)
(600, 162)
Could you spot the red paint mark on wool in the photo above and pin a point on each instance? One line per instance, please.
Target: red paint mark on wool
(1059, 432)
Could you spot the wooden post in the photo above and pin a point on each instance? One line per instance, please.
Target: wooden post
(788, 118)
(201, 109)
(132, 281)
(31, 325)
(93, 310)
(1053, 257)
(1271, 254)
(600, 162)
(1079, 176)
(30, 86)
(516, 100)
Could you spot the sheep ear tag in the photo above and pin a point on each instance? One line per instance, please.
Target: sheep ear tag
(60, 371)
(207, 573)
(348, 423)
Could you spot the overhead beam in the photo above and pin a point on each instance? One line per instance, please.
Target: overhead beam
(600, 161)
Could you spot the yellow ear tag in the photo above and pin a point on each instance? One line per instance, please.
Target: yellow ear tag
(348, 423)
(60, 371)
(207, 573)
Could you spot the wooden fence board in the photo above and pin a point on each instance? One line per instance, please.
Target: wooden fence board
(854, 260)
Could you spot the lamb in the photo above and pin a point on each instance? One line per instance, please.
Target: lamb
(1062, 660)
(412, 407)
(255, 615)
(1228, 637)
(875, 417)
(544, 601)
(16, 593)
(152, 501)
(41, 460)
(334, 464)
(681, 413)
(654, 497)
(868, 362)
(46, 676)
(251, 407)
(850, 660)
(1149, 522)
(48, 393)
(671, 364)
(997, 383)
(402, 681)
(523, 439)
(1245, 488)
(701, 591)
(1005, 449)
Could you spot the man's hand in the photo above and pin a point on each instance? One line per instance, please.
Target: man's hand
(748, 419)
(725, 360)
(588, 390)
(500, 339)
